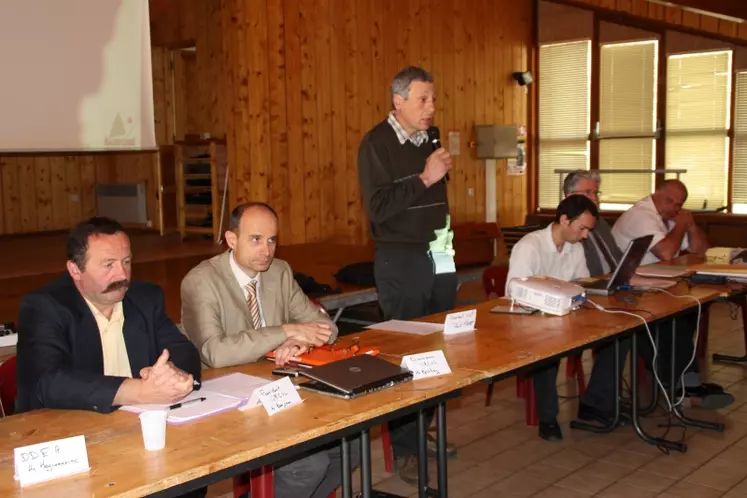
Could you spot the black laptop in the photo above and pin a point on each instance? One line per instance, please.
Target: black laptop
(354, 376)
(625, 270)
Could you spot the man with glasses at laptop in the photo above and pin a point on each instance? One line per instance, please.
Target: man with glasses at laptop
(602, 256)
(554, 252)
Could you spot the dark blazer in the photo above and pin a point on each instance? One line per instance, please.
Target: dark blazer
(60, 360)
(603, 232)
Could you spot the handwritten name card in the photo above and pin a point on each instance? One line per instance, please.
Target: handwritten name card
(462, 321)
(424, 365)
(46, 461)
(279, 395)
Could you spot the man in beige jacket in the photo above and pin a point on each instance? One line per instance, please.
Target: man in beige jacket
(242, 304)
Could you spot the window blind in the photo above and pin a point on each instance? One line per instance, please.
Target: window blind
(627, 119)
(564, 101)
(698, 95)
(739, 161)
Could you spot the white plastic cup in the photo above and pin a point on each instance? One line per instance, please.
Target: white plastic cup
(153, 425)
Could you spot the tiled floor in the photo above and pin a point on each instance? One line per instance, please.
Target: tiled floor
(500, 456)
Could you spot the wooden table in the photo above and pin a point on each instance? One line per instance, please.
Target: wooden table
(231, 443)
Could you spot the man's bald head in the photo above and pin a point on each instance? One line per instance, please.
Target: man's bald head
(669, 197)
(252, 235)
(238, 212)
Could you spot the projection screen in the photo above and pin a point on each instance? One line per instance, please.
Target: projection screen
(76, 76)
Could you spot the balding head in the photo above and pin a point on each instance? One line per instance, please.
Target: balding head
(252, 235)
(669, 198)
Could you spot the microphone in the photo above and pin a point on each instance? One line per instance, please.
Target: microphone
(434, 135)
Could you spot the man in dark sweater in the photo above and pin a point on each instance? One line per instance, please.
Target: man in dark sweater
(403, 185)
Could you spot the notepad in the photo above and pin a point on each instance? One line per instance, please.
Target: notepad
(236, 390)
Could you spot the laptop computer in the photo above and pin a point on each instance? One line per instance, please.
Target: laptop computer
(353, 377)
(624, 271)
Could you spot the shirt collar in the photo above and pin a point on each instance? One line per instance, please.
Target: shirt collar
(551, 243)
(242, 278)
(417, 138)
(117, 313)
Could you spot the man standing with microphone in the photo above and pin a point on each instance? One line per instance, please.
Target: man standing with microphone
(403, 172)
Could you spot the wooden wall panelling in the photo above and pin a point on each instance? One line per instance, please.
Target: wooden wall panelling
(325, 89)
(368, 92)
(162, 95)
(259, 126)
(294, 112)
(278, 174)
(323, 74)
(312, 180)
(43, 182)
(11, 199)
(352, 97)
(338, 104)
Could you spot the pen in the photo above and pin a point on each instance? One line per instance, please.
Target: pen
(185, 403)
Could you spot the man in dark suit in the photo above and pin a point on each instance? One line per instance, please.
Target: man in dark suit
(95, 340)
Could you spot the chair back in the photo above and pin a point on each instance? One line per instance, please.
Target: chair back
(494, 281)
(8, 386)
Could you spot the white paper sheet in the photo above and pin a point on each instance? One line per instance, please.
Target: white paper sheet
(417, 328)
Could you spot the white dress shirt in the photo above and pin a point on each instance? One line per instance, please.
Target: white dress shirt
(243, 279)
(537, 255)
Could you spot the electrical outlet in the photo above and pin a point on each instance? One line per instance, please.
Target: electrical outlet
(74, 198)
(470, 192)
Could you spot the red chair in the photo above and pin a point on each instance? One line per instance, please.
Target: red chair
(8, 386)
(494, 284)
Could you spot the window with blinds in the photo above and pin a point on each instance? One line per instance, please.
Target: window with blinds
(627, 120)
(698, 95)
(564, 102)
(739, 161)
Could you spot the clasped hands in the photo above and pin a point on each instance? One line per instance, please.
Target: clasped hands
(300, 338)
(164, 382)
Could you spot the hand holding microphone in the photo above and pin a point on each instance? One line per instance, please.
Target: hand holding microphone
(438, 164)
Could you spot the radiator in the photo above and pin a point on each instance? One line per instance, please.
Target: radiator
(122, 202)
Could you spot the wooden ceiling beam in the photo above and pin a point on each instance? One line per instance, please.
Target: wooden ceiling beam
(736, 9)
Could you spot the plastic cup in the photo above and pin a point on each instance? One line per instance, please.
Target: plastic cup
(153, 425)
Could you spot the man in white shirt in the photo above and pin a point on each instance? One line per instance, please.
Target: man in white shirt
(662, 216)
(674, 231)
(554, 252)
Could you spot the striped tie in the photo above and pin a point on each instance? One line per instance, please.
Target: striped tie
(253, 303)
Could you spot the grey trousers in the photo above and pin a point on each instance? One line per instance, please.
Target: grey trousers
(315, 475)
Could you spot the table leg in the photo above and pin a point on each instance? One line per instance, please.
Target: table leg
(575, 424)
(422, 456)
(714, 426)
(366, 463)
(441, 447)
(347, 481)
(741, 301)
(656, 441)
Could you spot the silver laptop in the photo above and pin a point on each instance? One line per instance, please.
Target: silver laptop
(624, 271)
(353, 377)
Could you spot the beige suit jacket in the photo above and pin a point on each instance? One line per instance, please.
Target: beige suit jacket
(216, 317)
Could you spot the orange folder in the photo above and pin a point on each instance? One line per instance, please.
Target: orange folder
(327, 354)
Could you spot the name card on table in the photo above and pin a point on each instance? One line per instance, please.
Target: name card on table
(279, 395)
(462, 321)
(424, 365)
(47, 461)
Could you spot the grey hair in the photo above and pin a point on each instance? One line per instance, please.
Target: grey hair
(575, 177)
(403, 79)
